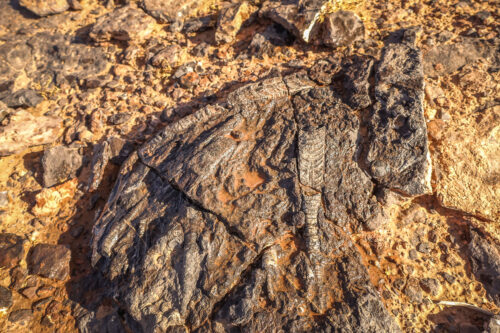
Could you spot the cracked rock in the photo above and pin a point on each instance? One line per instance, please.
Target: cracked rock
(237, 216)
(398, 151)
(5, 298)
(300, 17)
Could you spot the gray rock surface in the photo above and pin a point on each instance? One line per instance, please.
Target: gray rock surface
(60, 163)
(398, 154)
(45, 59)
(341, 28)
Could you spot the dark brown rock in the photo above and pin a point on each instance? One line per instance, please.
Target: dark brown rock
(60, 163)
(233, 201)
(50, 261)
(167, 57)
(21, 316)
(5, 298)
(265, 42)
(324, 70)
(484, 256)
(11, 250)
(100, 157)
(357, 73)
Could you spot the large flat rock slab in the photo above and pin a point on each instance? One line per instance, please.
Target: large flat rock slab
(239, 215)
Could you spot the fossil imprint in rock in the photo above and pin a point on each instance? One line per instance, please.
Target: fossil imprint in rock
(239, 215)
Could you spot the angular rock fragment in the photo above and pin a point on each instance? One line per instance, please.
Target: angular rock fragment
(485, 261)
(45, 7)
(23, 98)
(356, 81)
(169, 10)
(341, 28)
(199, 24)
(300, 17)
(100, 157)
(324, 70)
(5, 298)
(50, 261)
(230, 21)
(11, 250)
(25, 130)
(21, 316)
(127, 24)
(265, 42)
(167, 57)
(60, 163)
(398, 154)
